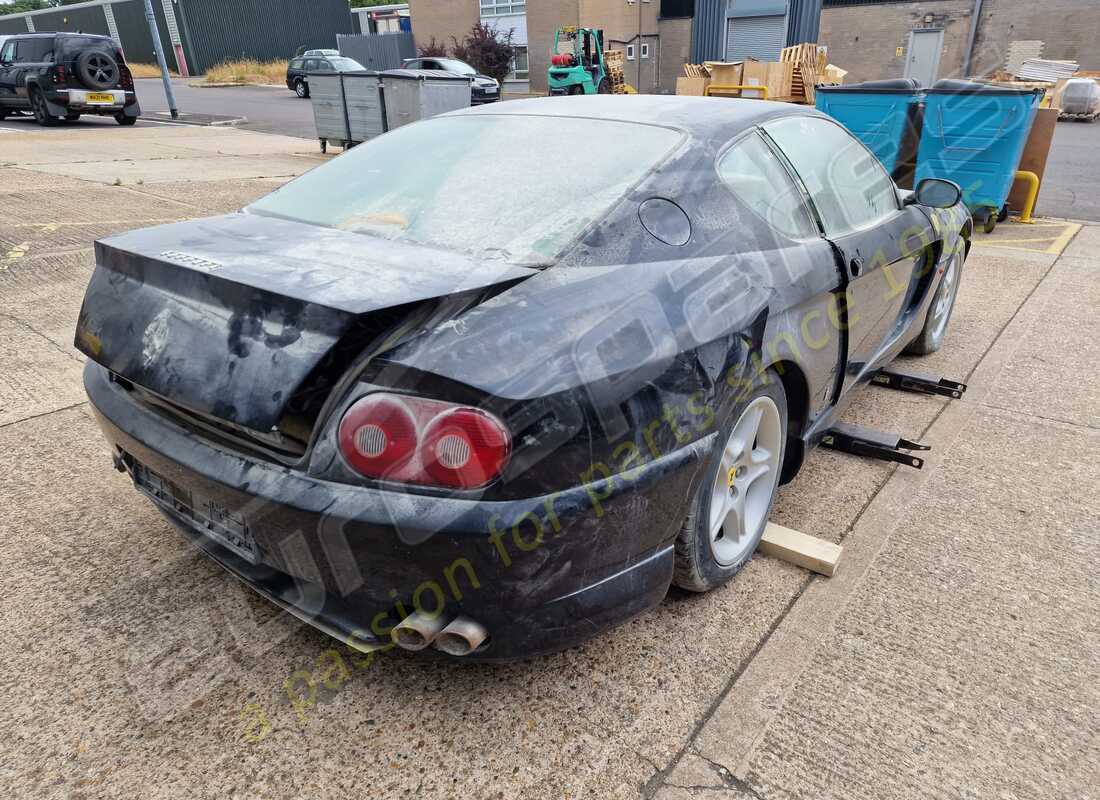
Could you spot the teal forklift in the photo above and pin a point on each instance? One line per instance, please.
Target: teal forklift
(581, 68)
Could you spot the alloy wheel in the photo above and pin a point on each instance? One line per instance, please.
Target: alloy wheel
(102, 70)
(38, 105)
(945, 297)
(747, 476)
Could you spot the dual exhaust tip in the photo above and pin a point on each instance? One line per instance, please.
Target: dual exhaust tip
(458, 637)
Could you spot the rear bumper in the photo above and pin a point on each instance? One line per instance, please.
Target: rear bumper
(540, 574)
(68, 101)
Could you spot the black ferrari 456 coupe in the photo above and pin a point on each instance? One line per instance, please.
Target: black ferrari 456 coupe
(493, 381)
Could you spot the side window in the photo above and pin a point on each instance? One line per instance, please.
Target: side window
(296, 63)
(848, 185)
(7, 55)
(760, 180)
(34, 51)
(324, 66)
(311, 65)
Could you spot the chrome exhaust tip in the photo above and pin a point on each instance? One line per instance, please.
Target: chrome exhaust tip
(461, 637)
(417, 631)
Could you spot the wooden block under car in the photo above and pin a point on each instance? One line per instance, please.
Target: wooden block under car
(800, 549)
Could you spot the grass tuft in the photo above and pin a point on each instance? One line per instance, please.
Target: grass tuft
(247, 70)
(147, 71)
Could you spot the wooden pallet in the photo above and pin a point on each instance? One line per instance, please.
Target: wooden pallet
(809, 62)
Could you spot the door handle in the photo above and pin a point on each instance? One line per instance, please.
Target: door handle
(855, 266)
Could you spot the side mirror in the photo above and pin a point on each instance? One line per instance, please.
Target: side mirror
(937, 193)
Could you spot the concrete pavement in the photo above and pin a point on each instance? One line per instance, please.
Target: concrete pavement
(954, 654)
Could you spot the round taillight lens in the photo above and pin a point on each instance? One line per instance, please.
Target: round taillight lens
(464, 448)
(377, 435)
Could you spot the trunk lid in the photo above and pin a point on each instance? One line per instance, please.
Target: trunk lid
(227, 316)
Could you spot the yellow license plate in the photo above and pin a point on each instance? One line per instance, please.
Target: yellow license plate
(98, 97)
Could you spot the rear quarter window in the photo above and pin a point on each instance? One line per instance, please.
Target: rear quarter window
(756, 175)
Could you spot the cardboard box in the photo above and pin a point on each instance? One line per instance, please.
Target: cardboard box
(692, 86)
(780, 77)
(834, 74)
(1034, 158)
(754, 73)
(724, 73)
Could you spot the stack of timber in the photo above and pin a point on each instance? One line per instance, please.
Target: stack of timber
(809, 62)
(1041, 69)
(613, 61)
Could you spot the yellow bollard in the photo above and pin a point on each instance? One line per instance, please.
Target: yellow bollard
(1032, 192)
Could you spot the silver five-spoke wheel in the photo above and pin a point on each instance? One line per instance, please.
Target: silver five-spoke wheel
(945, 297)
(747, 476)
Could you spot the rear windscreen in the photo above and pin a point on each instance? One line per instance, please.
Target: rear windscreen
(71, 44)
(520, 188)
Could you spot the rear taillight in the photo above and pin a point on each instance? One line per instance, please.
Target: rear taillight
(57, 73)
(125, 77)
(416, 440)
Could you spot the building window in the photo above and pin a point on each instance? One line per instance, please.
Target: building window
(645, 50)
(671, 9)
(496, 8)
(519, 63)
(630, 52)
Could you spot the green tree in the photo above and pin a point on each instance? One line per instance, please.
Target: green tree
(19, 6)
(369, 3)
(487, 50)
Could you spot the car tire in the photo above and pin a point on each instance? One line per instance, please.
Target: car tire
(604, 87)
(122, 119)
(715, 543)
(3, 114)
(41, 111)
(301, 88)
(576, 89)
(931, 337)
(97, 70)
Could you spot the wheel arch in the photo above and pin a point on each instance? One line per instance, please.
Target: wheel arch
(967, 233)
(797, 390)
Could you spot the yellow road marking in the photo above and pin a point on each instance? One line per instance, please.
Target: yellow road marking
(1057, 243)
(1063, 241)
(18, 251)
(996, 242)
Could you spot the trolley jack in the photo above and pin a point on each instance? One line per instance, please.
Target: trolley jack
(922, 384)
(873, 444)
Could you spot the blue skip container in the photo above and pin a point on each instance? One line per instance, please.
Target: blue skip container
(885, 116)
(974, 135)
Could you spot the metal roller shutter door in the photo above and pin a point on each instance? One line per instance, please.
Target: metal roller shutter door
(755, 37)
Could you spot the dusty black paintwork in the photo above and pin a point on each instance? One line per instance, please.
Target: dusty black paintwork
(614, 368)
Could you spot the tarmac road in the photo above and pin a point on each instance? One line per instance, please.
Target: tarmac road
(1073, 173)
(268, 109)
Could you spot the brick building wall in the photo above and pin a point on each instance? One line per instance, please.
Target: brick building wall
(543, 18)
(864, 39)
(1070, 29)
(442, 19)
(628, 24)
(674, 53)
